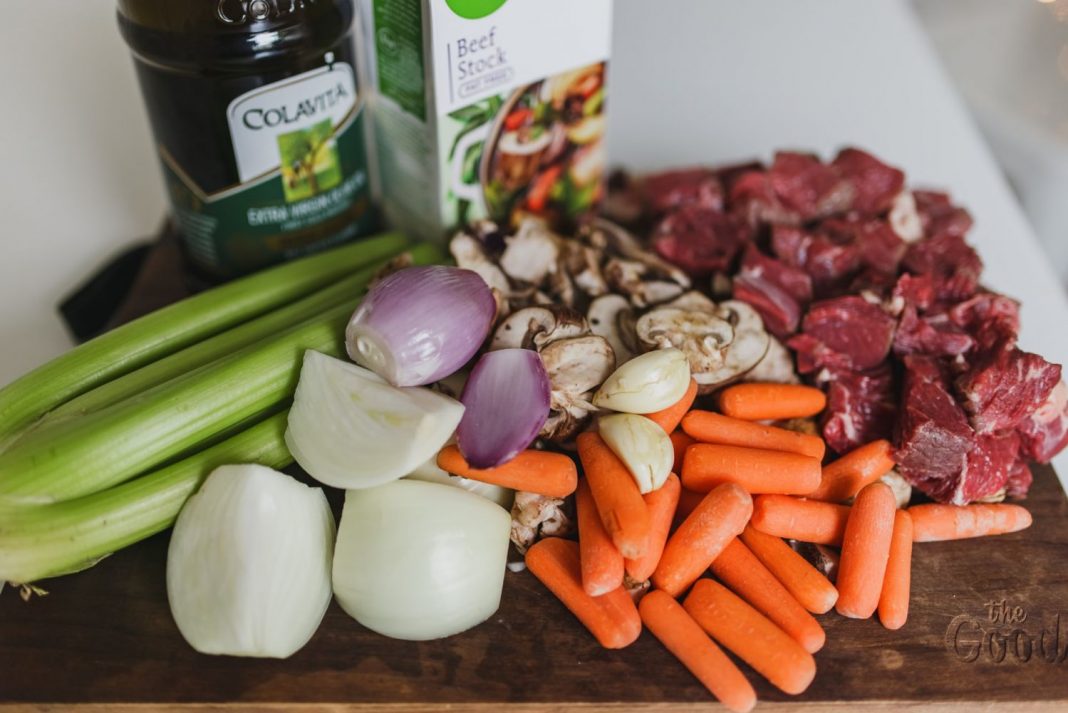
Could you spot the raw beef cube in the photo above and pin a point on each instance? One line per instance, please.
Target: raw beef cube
(874, 282)
(860, 407)
(880, 247)
(845, 331)
(1005, 385)
(916, 290)
(934, 336)
(776, 290)
(831, 263)
(989, 317)
(808, 186)
(952, 264)
(875, 184)
(1019, 479)
(689, 186)
(939, 216)
(987, 468)
(729, 175)
(932, 437)
(753, 200)
(1044, 433)
(699, 240)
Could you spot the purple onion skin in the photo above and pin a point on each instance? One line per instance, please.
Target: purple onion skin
(427, 322)
(506, 402)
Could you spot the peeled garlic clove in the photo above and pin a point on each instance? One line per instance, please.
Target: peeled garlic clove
(643, 446)
(646, 383)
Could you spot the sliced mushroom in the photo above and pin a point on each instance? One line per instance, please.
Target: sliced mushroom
(535, 516)
(609, 316)
(469, 254)
(532, 253)
(655, 292)
(749, 347)
(693, 301)
(624, 276)
(616, 239)
(534, 327)
(562, 287)
(583, 263)
(776, 367)
(702, 337)
(576, 367)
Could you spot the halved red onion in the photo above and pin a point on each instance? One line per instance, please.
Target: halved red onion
(506, 401)
(421, 324)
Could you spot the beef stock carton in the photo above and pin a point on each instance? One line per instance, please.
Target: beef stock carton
(486, 108)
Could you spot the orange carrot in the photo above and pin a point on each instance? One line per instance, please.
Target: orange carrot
(740, 628)
(806, 583)
(623, 512)
(894, 599)
(701, 537)
(684, 638)
(865, 551)
(668, 418)
(771, 402)
(612, 618)
(709, 427)
(800, 519)
(542, 472)
(933, 523)
(602, 565)
(843, 478)
(661, 504)
(706, 465)
(740, 570)
(688, 502)
(679, 442)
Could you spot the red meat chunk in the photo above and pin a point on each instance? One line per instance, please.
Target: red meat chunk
(808, 186)
(932, 437)
(950, 262)
(875, 184)
(847, 332)
(939, 216)
(689, 186)
(1044, 433)
(830, 258)
(753, 200)
(1019, 479)
(1004, 385)
(989, 317)
(776, 290)
(934, 336)
(861, 407)
(880, 247)
(699, 240)
(987, 468)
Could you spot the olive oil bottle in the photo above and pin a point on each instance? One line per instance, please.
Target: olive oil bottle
(257, 119)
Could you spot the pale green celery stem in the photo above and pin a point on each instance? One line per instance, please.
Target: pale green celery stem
(39, 541)
(344, 291)
(83, 455)
(165, 331)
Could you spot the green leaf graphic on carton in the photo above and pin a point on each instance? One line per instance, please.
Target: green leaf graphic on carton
(474, 9)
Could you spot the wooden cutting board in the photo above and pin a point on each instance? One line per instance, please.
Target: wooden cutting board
(988, 629)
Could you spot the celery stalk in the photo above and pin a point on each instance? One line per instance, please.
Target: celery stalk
(39, 541)
(167, 330)
(347, 290)
(79, 456)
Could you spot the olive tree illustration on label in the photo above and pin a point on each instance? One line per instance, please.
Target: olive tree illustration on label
(309, 161)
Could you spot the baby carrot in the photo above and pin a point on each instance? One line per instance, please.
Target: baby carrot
(679, 442)
(602, 565)
(933, 523)
(661, 504)
(623, 512)
(739, 569)
(865, 551)
(800, 519)
(701, 537)
(808, 585)
(684, 638)
(894, 600)
(771, 402)
(706, 465)
(668, 419)
(740, 628)
(688, 502)
(541, 472)
(843, 478)
(709, 427)
(612, 618)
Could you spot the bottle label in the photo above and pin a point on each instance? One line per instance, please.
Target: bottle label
(301, 162)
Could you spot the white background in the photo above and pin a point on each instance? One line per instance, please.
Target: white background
(691, 81)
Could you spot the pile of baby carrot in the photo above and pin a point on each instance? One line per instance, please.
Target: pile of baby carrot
(745, 488)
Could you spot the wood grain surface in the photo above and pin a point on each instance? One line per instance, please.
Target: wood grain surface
(988, 630)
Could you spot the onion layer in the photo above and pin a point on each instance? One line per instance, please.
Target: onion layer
(419, 560)
(421, 324)
(506, 401)
(248, 567)
(350, 429)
